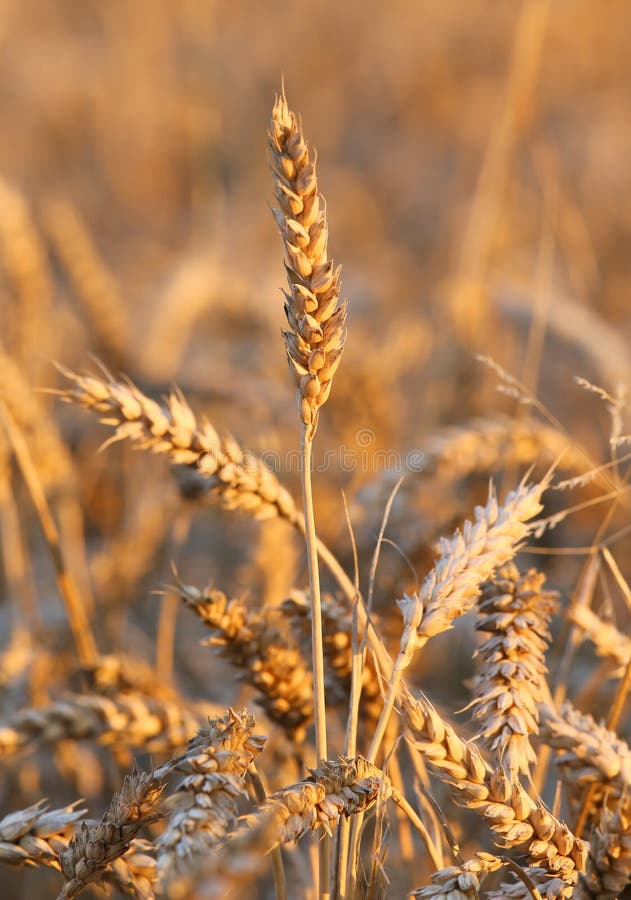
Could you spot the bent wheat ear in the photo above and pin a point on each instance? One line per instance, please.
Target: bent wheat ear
(316, 318)
(238, 478)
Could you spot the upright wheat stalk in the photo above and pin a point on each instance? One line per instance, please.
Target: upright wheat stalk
(314, 343)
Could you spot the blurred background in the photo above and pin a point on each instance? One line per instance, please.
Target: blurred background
(475, 162)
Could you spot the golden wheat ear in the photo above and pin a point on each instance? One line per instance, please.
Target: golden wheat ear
(316, 317)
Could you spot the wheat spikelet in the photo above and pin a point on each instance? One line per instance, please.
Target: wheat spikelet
(608, 869)
(135, 873)
(608, 641)
(590, 753)
(92, 282)
(255, 644)
(128, 720)
(36, 835)
(94, 847)
(460, 882)
(239, 479)
(549, 887)
(204, 807)
(316, 318)
(506, 807)
(511, 684)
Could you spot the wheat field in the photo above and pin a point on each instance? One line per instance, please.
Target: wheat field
(314, 450)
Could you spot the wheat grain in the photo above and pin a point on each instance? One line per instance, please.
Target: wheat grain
(36, 835)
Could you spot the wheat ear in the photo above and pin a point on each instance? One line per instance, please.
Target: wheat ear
(239, 479)
(335, 789)
(511, 684)
(508, 810)
(460, 882)
(254, 644)
(128, 720)
(589, 752)
(35, 836)
(609, 642)
(608, 869)
(94, 847)
(314, 313)
(314, 345)
(204, 807)
(451, 588)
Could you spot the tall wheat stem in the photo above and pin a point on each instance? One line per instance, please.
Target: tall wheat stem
(317, 643)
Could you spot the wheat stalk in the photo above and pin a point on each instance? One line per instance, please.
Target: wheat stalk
(337, 627)
(313, 343)
(515, 611)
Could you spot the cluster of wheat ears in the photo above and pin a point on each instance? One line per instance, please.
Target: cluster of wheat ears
(203, 822)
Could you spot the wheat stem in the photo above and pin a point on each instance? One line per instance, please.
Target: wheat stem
(75, 608)
(317, 642)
